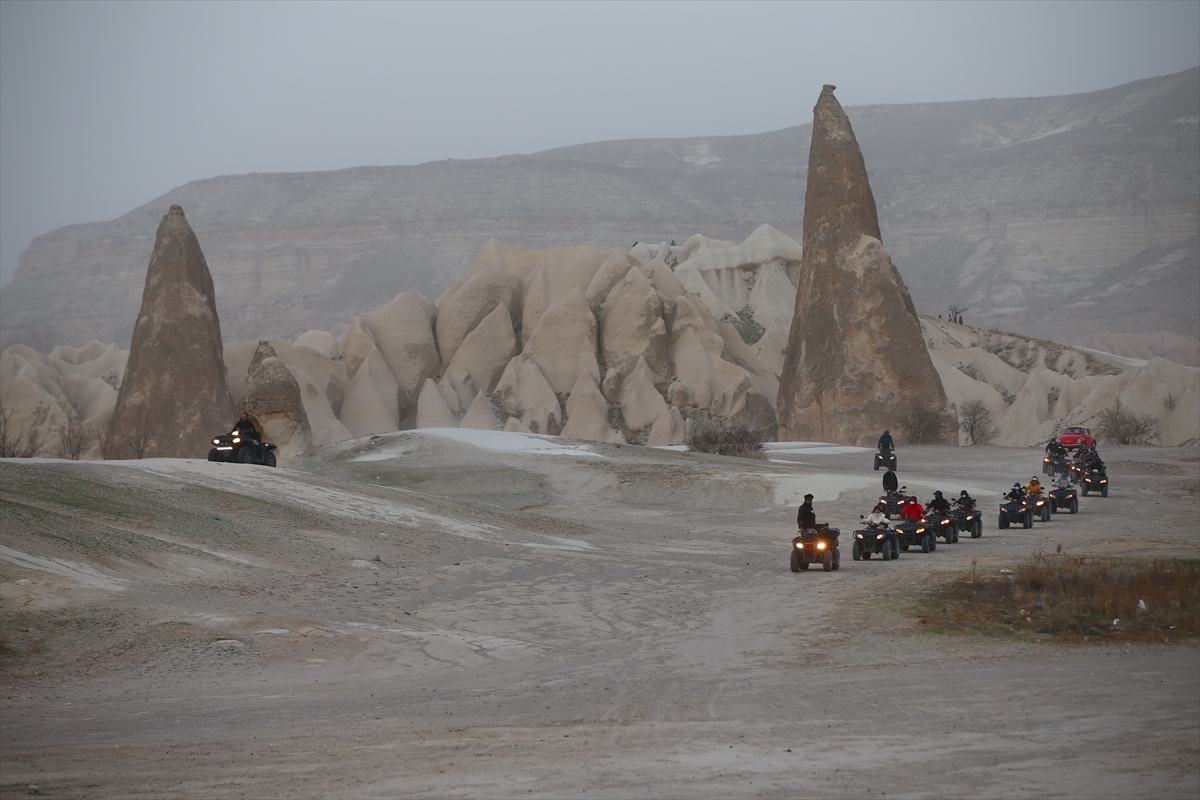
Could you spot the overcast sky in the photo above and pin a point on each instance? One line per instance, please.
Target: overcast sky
(105, 106)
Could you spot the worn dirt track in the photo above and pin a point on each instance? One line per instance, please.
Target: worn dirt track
(419, 616)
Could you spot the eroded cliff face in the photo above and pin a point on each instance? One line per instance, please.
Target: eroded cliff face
(855, 355)
(1061, 217)
(174, 386)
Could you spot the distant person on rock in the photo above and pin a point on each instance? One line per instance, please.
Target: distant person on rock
(806, 518)
(246, 428)
(886, 443)
(890, 482)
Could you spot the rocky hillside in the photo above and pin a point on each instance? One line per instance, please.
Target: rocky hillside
(1061, 217)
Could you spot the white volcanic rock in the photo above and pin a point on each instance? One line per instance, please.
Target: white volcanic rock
(613, 269)
(471, 303)
(525, 393)
(485, 352)
(514, 425)
(698, 244)
(322, 343)
(402, 331)
(30, 390)
(328, 375)
(739, 353)
(432, 411)
(664, 281)
(726, 279)
(369, 406)
(692, 315)
(271, 396)
(324, 426)
(587, 413)
(632, 327)
(669, 429)
(458, 390)
(770, 348)
(773, 295)
(641, 403)
(561, 271)
(563, 344)
(174, 384)
(480, 415)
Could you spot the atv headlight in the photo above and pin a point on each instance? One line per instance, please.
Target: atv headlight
(235, 441)
(880, 536)
(820, 545)
(799, 545)
(216, 441)
(920, 530)
(1104, 481)
(945, 522)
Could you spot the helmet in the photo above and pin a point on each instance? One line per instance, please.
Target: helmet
(963, 493)
(877, 510)
(1034, 479)
(938, 493)
(887, 433)
(1017, 485)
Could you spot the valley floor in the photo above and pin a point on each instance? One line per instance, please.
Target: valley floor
(428, 614)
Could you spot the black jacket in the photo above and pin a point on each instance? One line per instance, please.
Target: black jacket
(966, 502)
(886, 443)
(890, 482)
(939, 504)
(806, 517)
(245, 426)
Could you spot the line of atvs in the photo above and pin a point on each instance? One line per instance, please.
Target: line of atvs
(821, 546)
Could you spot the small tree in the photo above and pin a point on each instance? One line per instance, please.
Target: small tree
(13, 443)
(74, 439)
(109, 440)
(923, 421)
(975, 420)
(1120, 425)
(136, 433)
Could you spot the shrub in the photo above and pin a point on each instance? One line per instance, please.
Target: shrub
(923, 422)
(975, 420)
(715, 437)
(13, 443)
(1075, 597)
(74, 439)
(1120, 425)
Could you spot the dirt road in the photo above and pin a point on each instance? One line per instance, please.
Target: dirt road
(419, 615)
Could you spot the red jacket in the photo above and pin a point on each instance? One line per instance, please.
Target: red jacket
(912, 511)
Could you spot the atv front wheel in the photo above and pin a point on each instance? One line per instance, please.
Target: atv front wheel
(856, 551)
(1085, 490)
(827, 562)
(1003, 520)
(1027, 520)
(837, 558)
(1074, 505)
(1104, 490)
(1045, 514)
(213, 455)
(887, 550)
(925, 543)
(976, 528)
(245, 456)
(795, 561)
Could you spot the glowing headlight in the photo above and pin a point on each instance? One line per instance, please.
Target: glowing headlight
(880, 536)
(235, 441)
(820, 545)
(216, 441)
(1104, 481)
(920, 530)
(799, 545)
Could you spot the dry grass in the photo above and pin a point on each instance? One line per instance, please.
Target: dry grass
(726, 441)
(1074, 598)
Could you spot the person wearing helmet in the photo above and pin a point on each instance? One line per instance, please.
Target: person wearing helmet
(1063, 481)
(885, 442)
(939, 503)
(1035, 487)
(1015, 493)
(1054, 448)
(912, 509)
(890, 482)
(965, 501)
(877, 518)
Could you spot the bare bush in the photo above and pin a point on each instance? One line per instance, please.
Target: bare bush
(109, 441)
(711, 436)
(74, 439)
(975, 420)
(135, 433)
(923, 421)
(1120, 425)
(13, 441)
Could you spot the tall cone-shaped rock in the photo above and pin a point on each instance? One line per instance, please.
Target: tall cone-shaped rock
(174, 389)
(855, 355)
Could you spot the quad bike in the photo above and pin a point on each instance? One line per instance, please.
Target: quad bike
(816, 546)
(874, 539)
(943, 524)
(1016, 512)
(885, 458)
(240, 449)
(915, 533)
(1055, 465)
(969, 520)
(1040, 505)
(893, 502)
(1065, 498)
(1095, 480)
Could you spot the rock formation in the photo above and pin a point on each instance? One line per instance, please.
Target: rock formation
(587, 413)
(174, 387)
(855, 354)
(273, 399)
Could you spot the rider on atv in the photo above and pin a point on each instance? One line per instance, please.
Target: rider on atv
(1035, 487)
(912, 509)
(246, 428)
(939, 504)
(885, 442)
(965, 501)
(1016, 493)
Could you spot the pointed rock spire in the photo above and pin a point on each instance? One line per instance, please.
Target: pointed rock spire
(174, 389)
(855, 355)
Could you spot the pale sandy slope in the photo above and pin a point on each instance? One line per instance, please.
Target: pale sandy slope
(556, 619)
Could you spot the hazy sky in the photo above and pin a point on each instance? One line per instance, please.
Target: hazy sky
(105, 106)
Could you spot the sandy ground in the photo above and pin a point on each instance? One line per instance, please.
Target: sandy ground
(421, 615)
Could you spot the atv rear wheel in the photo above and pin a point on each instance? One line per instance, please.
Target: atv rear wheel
(837, 558)
(795, 561)
(269, 460)
(827, 561)
(856, 551)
